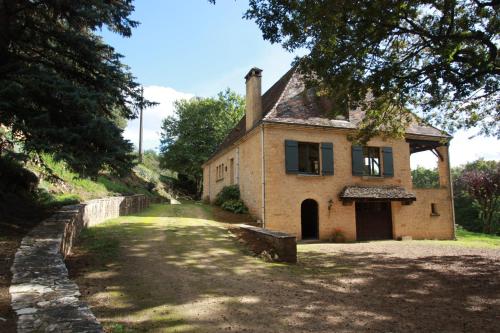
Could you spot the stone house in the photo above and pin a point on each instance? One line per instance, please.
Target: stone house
(298, 173)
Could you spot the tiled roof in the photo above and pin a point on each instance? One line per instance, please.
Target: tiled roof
(376, 192)
(269, 100)
(288, 101)
(299, 105)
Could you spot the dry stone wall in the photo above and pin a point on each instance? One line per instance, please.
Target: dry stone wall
(43, 296)
(282, 245)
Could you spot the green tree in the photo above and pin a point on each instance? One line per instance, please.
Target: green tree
(437, 57)
(196, 129)
(425, 178)
(476, 187)
(62, 89)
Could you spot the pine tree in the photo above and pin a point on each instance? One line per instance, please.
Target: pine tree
(63, 90)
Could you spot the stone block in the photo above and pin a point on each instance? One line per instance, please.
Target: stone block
(280, 243)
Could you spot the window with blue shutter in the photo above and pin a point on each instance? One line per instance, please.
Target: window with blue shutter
(327, 158)
(388, 161)
(372, 162)
(357, 161)
(291, 156)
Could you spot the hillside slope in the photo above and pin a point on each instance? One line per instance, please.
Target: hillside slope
(59, 185)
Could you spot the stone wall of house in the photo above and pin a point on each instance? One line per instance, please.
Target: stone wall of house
(247, 173)
(284, 192)
(43, 296)
(418, 221)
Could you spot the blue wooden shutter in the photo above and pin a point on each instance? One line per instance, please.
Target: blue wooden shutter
(388, 161)
(291, 156)
(327, 158)
(357, 161)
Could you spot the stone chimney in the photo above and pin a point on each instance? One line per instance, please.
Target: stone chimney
(253, 110)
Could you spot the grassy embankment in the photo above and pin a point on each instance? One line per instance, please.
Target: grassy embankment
(66, 187)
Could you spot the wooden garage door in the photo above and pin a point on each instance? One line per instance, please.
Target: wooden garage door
(373, 220)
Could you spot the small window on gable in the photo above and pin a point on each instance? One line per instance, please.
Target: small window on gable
(371, 158)
(308, 158)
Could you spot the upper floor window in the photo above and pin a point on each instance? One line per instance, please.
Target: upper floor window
(372, 161)
(304, 158)
(371, 157)
(309, 158)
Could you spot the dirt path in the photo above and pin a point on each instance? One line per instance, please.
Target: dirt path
(176, 270)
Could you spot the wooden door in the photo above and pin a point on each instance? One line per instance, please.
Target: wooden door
(373, 221)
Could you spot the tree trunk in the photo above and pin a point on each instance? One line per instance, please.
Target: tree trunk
(199, 187)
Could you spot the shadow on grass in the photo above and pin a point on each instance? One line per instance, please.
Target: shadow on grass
(174, 270)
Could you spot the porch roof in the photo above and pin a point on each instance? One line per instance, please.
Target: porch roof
(363, 192)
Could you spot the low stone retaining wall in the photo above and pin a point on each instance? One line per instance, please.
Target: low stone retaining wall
(279, 243)
(43, 296)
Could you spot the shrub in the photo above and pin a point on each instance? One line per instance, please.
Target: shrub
(235, 206)
(229, 199)
(228, 193)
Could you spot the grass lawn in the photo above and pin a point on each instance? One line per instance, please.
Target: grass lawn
(176, 268)
(474, 239)
(469, 239)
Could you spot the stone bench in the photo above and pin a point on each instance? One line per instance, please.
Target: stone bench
(280, 243)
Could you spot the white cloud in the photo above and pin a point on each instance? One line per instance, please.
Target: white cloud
(154, 116)
(465, 147)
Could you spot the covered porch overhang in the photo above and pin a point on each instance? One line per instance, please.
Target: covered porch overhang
(354, 193)
(419, 145)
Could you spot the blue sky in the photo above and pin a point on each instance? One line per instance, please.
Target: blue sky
(196, 47)
(193, 48)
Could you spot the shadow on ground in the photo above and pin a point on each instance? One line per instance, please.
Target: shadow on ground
(176, 270)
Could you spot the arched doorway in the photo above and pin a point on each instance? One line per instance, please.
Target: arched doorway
(309, 219)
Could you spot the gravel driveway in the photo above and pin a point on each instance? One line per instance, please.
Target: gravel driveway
(414, 286)
(178, 270)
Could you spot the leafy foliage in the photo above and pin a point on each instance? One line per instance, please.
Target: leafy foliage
(437, 57)
(227, 193)
(196, 129)
(477, 193)
(62, 89)
(235, 206)
(483, 186)
(425, 178)
(229, 199)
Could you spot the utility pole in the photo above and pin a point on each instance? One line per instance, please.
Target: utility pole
(141, 107)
